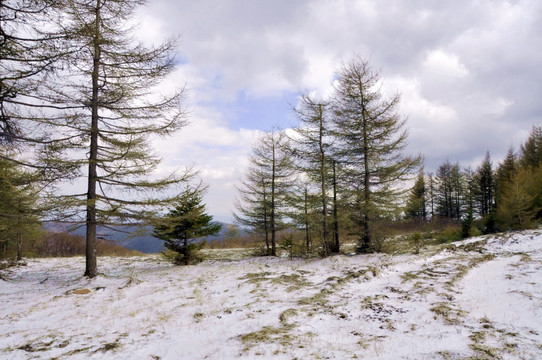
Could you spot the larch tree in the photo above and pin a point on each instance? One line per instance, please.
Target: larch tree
(253, 203)
(271, 170)
(471, 189)
(504, 174)
(303, 209)
(531, 161)
(531, 150)
(29, 57)
(371, 137)
(23, 62)
(431, 192)
(312, 143)
(109, 110)
(449, 190)
(515, 211)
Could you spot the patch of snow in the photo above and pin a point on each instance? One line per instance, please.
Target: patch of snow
(480, 297)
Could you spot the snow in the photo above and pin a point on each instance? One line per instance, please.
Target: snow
(480, 298)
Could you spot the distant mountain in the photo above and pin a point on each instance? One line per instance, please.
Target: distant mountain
(130, 236)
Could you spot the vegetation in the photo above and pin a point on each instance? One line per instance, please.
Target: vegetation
(90, 92)
(63, 244)
(263, 193)
(19, 222)
(78, 96)
(356, 140)
(313, 155)
(371, 137)
(181, 228)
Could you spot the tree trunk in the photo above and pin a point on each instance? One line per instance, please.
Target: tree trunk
(366, 231)
(19, 233)
(186, 256)
(272, 220)
(19, 246)
(307, 234)
(323, 177)
(266, 225)
(91, 266)
(335, 212)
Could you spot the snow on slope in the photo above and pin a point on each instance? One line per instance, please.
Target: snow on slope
(481, 298)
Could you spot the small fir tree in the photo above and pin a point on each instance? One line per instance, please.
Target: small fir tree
(184, 225)
(416, 202)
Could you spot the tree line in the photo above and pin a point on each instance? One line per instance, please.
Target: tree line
(343, 170)
(341, 167)
(502, 198)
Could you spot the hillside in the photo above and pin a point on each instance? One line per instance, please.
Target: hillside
(131, 237)
(479, 298)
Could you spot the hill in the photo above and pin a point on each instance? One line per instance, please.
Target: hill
(129, 236)
(473, 299)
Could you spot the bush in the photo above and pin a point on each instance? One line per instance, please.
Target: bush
(416, 240)
(449, 234)
(65, 244)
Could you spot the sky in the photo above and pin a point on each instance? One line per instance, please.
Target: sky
(469, 74)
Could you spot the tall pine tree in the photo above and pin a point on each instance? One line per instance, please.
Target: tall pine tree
(486, 186)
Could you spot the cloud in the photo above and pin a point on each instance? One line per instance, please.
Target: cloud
(217, 151)
(469, 72)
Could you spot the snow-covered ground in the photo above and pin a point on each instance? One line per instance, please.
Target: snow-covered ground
(481, 298)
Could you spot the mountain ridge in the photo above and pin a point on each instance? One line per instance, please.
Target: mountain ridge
(134, 237)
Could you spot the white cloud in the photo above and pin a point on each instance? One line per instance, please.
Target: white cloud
(218, 152)
(441, 64)
(469, 72)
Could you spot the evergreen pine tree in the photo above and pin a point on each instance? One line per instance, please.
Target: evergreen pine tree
(18, 207)
(416, 202)
(486, 186)
(181, 227)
